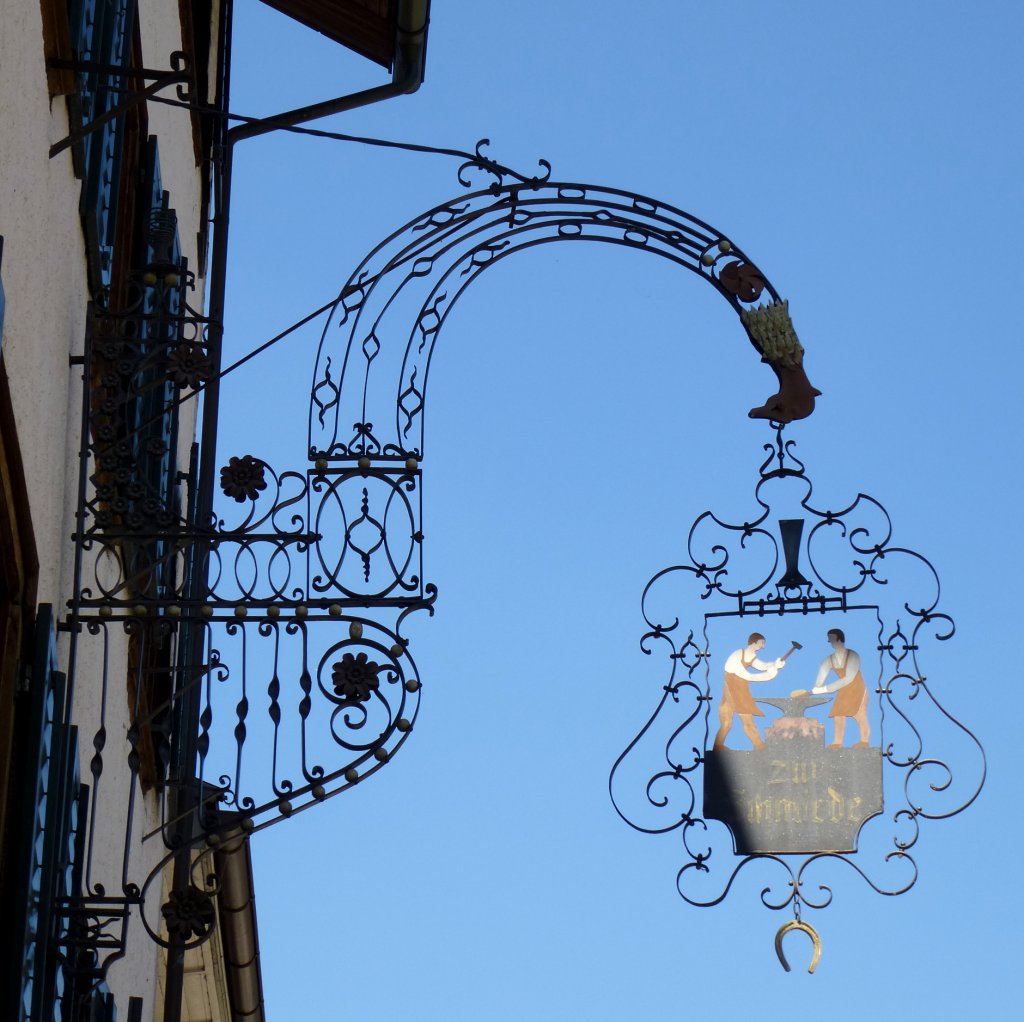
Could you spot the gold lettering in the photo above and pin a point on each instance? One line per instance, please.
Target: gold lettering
(804, 812)
(835, 805)
(799, 771)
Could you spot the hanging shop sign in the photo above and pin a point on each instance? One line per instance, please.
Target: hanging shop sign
(792, 728)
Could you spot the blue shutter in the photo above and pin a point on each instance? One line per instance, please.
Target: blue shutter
(45, 866)
(101, 32)
(163, 304)
(152, 417)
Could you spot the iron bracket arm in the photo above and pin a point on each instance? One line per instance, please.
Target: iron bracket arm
(180, 75)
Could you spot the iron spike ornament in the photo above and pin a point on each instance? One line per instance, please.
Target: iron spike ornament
(796, 727)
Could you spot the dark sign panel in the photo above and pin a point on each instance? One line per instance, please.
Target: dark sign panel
(792, 792)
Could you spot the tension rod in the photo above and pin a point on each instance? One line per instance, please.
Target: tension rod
(475, 158)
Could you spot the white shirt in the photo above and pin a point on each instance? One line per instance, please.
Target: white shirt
(851, 663)
(734, 665)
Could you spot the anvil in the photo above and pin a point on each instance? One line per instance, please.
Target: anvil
(794, 706)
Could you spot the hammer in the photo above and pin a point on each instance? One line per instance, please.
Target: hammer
(797, 693)
(792, 649)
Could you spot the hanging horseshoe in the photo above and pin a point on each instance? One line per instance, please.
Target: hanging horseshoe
(797, 924)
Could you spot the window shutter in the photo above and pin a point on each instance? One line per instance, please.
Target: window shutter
(101, 32)
(49, 823)
(153, 422)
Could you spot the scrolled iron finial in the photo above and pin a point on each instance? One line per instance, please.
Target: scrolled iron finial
(479, 161)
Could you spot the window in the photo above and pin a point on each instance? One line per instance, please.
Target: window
(100, 32)
(140, 359)
(45, 864)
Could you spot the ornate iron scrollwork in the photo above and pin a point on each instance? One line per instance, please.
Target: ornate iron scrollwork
(263, 643)
(779, 801)
(395, 303)
(295, 667)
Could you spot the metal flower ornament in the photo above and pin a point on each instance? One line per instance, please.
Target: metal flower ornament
(355, 677)
(795, 729)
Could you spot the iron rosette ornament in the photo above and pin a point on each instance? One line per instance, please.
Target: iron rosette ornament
(796, 729)
(189, 912)
(255, 549)
(292, 715)
(243, 478)
(187, 915)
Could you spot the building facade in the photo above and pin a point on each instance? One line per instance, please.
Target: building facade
(104, 211)
(114, 187)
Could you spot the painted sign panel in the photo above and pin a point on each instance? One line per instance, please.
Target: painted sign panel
(792, 792)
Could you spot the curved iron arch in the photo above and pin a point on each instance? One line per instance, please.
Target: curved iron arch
(432, 259)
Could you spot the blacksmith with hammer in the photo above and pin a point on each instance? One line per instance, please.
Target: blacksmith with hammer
(741, 668)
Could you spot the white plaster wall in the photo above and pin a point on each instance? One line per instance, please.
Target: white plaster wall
(44, 275)
(44, 280)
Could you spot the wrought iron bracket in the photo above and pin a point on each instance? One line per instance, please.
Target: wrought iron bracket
(275, 618)
(94, 934)
(180, 74)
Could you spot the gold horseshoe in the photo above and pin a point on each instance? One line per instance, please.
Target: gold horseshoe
(797, 924)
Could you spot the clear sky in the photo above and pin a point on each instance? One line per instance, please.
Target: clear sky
(585, 404)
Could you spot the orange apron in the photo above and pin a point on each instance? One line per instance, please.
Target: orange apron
(849, 698)
(737, 693)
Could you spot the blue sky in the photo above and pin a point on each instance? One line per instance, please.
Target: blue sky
(585, 405)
